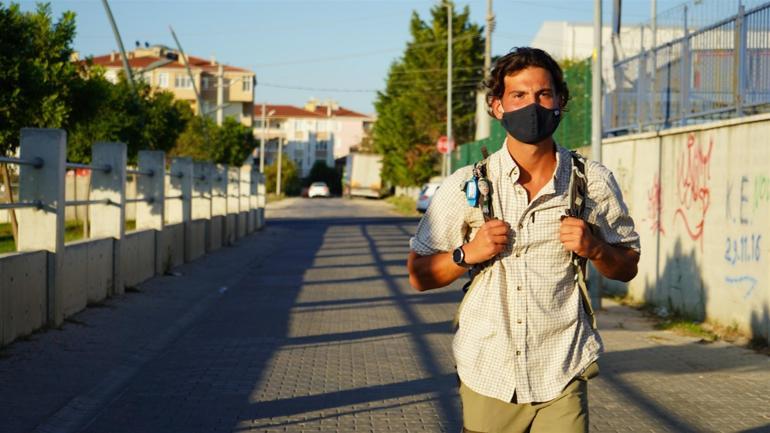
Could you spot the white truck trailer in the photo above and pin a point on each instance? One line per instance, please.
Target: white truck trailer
(362, 176)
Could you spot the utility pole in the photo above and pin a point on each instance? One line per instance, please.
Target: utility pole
(126, 66)
(262, 142)
(220, 93)
(445, 166)
(596, 83)
(278, 177)
(488, 39)
(482, 117)
(189, 72)
(595, 279)
(264, 137)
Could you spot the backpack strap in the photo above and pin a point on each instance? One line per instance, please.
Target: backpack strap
(576, 195)
(485, 203)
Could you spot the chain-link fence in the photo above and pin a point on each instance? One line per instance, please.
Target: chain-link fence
(697, 71)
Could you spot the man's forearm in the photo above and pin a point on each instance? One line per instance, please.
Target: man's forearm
(616, 263)
(432, 272)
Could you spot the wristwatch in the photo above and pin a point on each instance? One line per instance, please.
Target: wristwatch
(458, 256)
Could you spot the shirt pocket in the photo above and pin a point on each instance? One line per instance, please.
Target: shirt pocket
(545, 239)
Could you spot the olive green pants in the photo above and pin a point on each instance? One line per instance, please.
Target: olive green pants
(567, 413)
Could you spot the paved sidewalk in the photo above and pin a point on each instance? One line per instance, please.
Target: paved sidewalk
(311, 325)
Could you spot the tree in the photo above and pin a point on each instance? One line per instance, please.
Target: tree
(411, 110)
(203, 140)
(36, 73)
(35, 70)
(290, 182)
(143, 119)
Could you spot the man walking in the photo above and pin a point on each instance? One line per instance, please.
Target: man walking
(525, 345)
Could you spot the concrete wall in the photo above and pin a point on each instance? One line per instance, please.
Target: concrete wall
(170, 252)
(700, 197)
(87, 273)
(138, 257)
(22, 294)
(196, 239)
(215, 232)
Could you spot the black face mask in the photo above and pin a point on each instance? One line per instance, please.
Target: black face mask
(531, 124)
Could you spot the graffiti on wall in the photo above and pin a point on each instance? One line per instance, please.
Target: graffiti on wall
(692, 186)
(743, 245)
(655, 207)
(761, 190)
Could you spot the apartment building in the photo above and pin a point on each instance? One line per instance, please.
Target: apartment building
(315, 132)
(163, 68)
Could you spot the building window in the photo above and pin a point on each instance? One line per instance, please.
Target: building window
(163, 80)
(246, 83)
(206, 82)
(182, 81)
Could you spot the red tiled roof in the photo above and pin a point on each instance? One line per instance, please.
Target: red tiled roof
(339, 112)
(284, 111)
(144, 61)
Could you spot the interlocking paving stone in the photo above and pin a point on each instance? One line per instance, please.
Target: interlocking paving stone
(319, 331)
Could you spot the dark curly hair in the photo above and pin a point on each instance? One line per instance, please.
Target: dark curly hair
(520, 58)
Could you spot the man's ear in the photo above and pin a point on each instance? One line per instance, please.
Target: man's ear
(497, 108)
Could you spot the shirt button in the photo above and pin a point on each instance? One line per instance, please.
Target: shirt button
(521, 226)
(519, 321)
(518, 353)
(518, 288)
(517, 255)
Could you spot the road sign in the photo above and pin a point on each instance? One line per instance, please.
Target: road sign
(445, 145)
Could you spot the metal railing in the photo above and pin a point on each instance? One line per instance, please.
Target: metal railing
(715, 71)
(35, 163)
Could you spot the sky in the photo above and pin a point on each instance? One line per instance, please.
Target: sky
(326, 49)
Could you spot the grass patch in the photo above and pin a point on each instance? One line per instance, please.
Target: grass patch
(273, 197)
(403, 205)
(687, 327)
(73, 231)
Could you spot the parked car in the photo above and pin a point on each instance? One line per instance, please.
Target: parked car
(426, 193)
(318, 189)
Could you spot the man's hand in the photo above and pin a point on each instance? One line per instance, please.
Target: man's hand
(576, 237)
(490, 240)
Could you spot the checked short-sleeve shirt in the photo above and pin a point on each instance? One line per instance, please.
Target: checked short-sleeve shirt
(522, 327)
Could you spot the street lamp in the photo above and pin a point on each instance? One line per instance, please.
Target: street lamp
(264, 137)
(278, 178)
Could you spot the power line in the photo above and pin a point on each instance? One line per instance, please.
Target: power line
(356, 55)
(457, 85)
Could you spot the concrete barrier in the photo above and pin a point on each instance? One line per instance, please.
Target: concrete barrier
(196, 245)
(170, 248)
(138, 257)
(180, 215)
(700, 197)
(23, 293)
(215, 229)
(86, 274)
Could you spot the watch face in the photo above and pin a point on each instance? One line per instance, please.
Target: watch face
(457, 256)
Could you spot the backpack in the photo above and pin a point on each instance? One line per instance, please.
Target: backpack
(576, 196)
